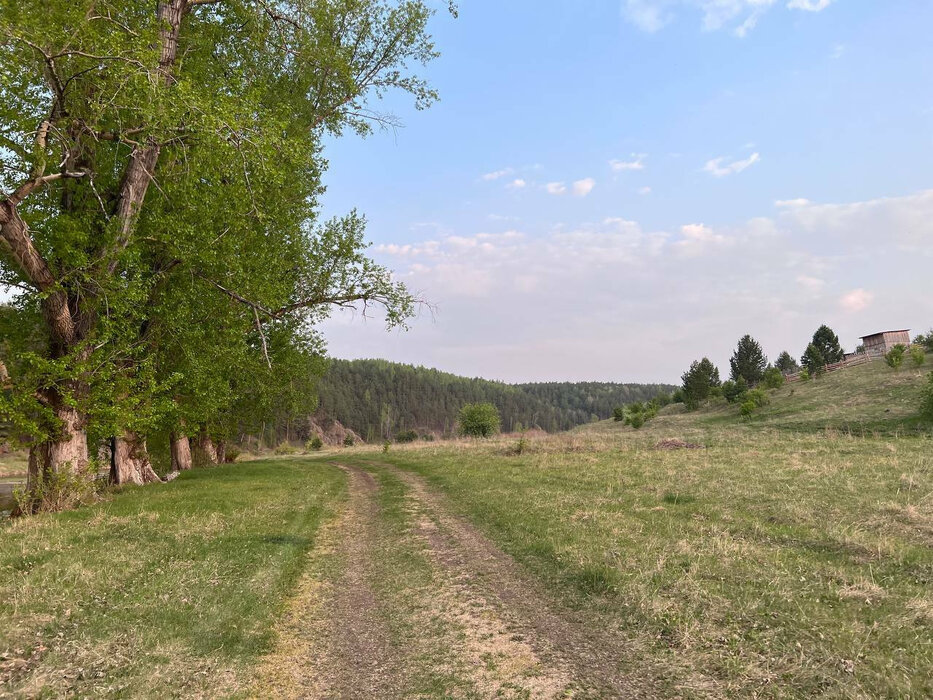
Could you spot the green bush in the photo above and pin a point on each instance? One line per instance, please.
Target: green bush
(734, 391)
(926, 405)
(231, 454)
(479, 420)
(314, 444)
(805, 375)
(925, 341)
(747, 409)
(429, 437)
(349, 441)
(385, 446)
(758, 397)
(618, 414)
(636, 420)
(406, 436)
(285, 449)
(773, 378)
(917, 355)
(895, 356)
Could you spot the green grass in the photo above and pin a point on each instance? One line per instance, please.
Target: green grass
(789, 558)
(160, 591)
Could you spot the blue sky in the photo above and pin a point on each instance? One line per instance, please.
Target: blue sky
(610, 190)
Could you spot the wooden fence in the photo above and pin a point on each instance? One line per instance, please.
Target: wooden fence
(859, 359)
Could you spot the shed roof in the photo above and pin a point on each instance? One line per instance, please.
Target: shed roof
(871, 335)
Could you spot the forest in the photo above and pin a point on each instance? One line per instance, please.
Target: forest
(377, 399)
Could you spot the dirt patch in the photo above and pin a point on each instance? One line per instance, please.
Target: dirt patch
(506, 616)
(675, 444)
(333, 642)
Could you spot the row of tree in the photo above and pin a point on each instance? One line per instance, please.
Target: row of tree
(379, 399)
(749, 367)
(160, 169)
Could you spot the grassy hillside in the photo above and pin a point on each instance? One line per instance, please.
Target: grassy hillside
(861, 399)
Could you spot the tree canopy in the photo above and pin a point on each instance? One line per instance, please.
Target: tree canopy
(748, 361)
(698, 381)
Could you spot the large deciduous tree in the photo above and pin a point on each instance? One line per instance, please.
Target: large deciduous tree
(159, 169)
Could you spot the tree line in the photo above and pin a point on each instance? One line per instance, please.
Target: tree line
(380, 399)
(160, 174)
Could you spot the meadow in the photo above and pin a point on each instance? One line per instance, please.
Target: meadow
(786, 556)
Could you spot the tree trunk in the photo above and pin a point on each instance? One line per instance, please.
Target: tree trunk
(206, 453)
(181, 452)
(221, 451)
(129, 461)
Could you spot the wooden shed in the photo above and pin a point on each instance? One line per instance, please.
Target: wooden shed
(878, 344)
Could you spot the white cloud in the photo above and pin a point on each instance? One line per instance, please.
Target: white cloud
(637, 163)
(786, 203)
(838, 51)
(556, 188)
(517, 184)
(856, 300)
(583, 187)
(719, 168)
(809, 5)
(496, 174)
(644, 190)
(660, 299)
(741, 15)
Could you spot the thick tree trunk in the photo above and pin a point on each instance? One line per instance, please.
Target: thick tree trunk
(181, 452)
(206, 452)
(58, 467)
(129, 461)
(221, 451)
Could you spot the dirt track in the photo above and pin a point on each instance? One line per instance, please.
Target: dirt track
(486, 626)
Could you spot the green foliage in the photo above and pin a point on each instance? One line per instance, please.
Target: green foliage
(894, 357)
(748, 361)
(926, 403)
(698, 381)
(805, 375)
(734, 391)
(314, 444)
(406, 436)
(773, 378)
(385, 447)
(478, 420)
(377, 399)
(677, 396)
(636, 420)
(618, 414)
(813, 360)
(786, 364)
(231, 455)
(917, 355)
(60, 490)
(349, 441)
(925, 340)
(827, 343)
(758, 397)
(747, 409)
(284, 449)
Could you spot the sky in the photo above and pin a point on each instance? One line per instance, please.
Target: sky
(610, 190)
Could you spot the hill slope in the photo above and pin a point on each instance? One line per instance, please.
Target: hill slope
(378, 398)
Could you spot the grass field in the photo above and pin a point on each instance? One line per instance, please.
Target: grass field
(158, 592)
(790, 556)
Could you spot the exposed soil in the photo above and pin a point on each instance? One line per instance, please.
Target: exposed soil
(675, 444)
(489, 627)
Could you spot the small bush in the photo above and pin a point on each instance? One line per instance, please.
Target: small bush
(734, 391)
(895, 356)
(618, 414)
(773, 378)
(758, 397)
(677, 396)
(429, 437)
(522, 445)
(917, 355)
(406, 436)
(231, 455)
(636, 420)
(285, 449)
(805, 375)
(385, 446)
(925, 341)
(314, 444)
(348, 441)
(747, 409)
(926, 404)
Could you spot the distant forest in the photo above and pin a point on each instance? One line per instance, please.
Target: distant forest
(378, 399)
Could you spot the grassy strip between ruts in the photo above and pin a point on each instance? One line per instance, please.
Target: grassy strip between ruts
(769, 564)
(160, 591)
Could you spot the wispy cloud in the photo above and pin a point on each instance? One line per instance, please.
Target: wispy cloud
(720, 167)
(556, 188)
(583, 187)
(636, 163)
(517, 184)
(497, 174)
(856, 300)
(644, 190)
(741, 15)
(809, 5)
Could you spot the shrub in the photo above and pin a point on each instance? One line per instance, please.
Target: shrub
(479, 420)
(314, 444)
(349, 441)
(895, 356)
(677, 396)
(385, 446)
(618, 414)
(805, 375)
(758, 397)
(917, 355)
(231, 454)
(747, 409)
(406, 436)
(926, 404)
(925, 341)
(521, 446)
(734, 391)
(636, 420)
(429, 437)
(773, 378)
(285, 449)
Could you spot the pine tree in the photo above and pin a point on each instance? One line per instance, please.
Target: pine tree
(748, 361)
